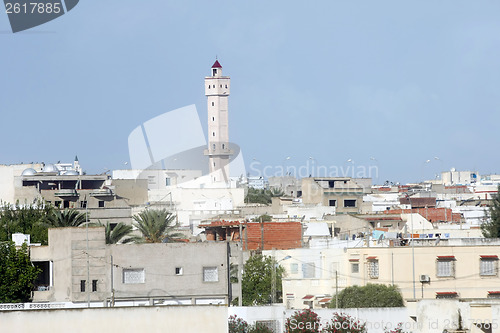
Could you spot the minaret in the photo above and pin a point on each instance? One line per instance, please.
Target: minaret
(217, 92)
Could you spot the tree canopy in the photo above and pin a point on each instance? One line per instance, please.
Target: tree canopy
(491, 228)
(66, 218)
(31, 219)
(17, 273)
(157, 226)
(369, 296)
(262, 196)
(257, 280)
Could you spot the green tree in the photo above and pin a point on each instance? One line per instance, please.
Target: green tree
(66, 218)
(17, 273)
(258, 196)
(31, 219)
(157, 226)
(118, 233)
(257, 280)
(369, 296)
(491, 228)
(276, 192)
(303, 321)
(263, 218)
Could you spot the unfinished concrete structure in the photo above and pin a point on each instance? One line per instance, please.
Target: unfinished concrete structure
(78, 266)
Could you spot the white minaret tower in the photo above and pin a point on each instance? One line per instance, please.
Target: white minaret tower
(217, 92)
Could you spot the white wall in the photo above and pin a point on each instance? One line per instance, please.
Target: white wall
(183, 319)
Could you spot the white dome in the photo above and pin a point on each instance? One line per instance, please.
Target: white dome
(50, 168)
(71, 173)
(29, 172)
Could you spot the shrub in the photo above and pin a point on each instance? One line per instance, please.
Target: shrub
(237, 325)
(305, 321)
(259, 328)
(342, 323)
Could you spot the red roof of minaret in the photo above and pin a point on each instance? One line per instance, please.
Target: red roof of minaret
(216, 64)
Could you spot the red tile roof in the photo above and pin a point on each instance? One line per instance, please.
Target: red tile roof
(216, 64)
(308, 297)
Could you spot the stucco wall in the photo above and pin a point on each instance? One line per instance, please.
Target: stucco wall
(134, 319)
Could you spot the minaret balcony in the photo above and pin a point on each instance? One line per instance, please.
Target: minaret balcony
(218, 151)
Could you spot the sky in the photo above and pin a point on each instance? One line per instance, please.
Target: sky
(409, 88)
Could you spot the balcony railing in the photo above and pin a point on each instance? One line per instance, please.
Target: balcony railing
(102, 192)
(66, 193)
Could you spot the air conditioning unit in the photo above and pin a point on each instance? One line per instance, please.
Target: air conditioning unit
(425, 278)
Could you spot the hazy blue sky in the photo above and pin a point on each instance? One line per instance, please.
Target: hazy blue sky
(400, 81)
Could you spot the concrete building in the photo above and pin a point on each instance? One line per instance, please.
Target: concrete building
(217, 89)
(346, 194)
(461, 269)
(79, 267)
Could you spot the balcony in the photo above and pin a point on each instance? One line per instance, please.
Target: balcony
(102, 192)
(66, 193)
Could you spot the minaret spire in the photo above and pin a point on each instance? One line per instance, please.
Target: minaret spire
(217, 91)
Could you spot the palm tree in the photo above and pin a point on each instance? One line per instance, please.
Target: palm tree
(157, 225)
(66, 218)
(116, 235)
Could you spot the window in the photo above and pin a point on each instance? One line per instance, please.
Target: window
(214, 71)
(133, 275)
(213, 133)
(208, 86)
(308, 270)
(354, 267)
(331, 183)
(445, 266)
(178, 270)
(101, 204)
(349, 203)
(57, 203)
(213, 118)
(213, 86)
(373, 268)
(94, 285)
(210, 274)
(213, 104)
(223, 146)
(332, 203)
(82, 285)
(65, 204)
(167, 181)
(83, 204)
(213, 146)
(294, 268)
(226, 85)
(488, 266)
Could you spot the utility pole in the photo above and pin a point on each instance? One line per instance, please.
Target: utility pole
(240, 269)
(88, 256)
(336, 289)
(112, 285)
(261, 234)
(273, 279)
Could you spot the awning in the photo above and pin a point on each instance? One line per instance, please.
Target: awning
(308, 297)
